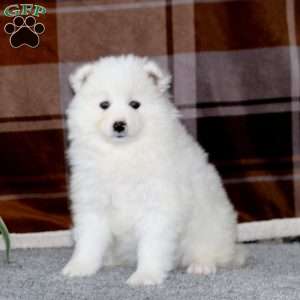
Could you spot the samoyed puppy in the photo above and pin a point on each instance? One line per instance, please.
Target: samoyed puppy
(142, 190)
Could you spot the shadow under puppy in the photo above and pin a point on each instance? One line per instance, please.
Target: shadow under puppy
(142, 190)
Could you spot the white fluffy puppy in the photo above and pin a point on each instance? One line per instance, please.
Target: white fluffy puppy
(142, 189)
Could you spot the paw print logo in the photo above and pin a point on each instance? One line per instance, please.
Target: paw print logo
(24, 32)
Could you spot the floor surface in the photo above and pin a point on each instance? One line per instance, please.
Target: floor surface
(272, 272)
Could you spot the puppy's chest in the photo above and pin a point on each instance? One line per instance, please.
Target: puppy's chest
(126, 206)
(129, 166)
(128, 185)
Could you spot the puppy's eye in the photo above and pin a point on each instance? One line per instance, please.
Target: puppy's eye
(134, 104)
(105, 104)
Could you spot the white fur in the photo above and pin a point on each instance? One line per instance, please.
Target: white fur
(150, 197)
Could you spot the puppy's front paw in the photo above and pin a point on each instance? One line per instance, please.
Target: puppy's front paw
(202, 269)
(79, 268)
(145, 278)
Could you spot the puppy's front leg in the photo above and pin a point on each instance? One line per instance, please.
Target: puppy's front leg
(92, 236)
(156, 249)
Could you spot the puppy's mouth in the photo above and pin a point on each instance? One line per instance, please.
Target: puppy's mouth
(120, 135)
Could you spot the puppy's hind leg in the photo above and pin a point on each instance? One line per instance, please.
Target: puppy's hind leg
(208, 246)
(211, 234)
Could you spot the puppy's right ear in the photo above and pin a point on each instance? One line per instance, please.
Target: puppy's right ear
(79, 77)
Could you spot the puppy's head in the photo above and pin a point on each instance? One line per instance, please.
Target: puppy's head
(116, 98)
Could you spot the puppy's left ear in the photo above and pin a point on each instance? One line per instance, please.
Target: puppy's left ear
(79, 77)
(161, 78)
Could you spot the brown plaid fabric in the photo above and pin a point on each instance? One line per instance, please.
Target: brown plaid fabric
(236, 73)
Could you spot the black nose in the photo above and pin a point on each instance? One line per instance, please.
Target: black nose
(119, 126)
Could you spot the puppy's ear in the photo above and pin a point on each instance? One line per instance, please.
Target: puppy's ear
(161, 78)
(78, 78)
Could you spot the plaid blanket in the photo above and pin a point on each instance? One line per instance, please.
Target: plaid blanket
(235, 66)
